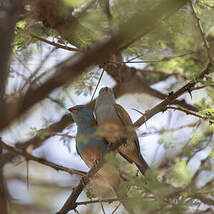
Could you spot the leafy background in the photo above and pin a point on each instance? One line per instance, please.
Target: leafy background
(177, 145)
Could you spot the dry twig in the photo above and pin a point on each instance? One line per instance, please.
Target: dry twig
(172, 96)
(54, 44)
(40, 160)
(102, 207)
(191, 113)
(69, 69)
(97, 85)
(116, 208)
(203, 36)
(110, 200)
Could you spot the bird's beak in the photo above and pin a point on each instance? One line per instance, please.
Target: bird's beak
(106, 90)
(73, 110)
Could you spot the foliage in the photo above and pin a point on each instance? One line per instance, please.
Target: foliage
(174, 53)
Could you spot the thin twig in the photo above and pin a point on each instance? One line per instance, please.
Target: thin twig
(34, 73)
(64, 135)
(71, 201)
(168, 130)
(28, 80)
(102, 207)
(76, 211)
(54, 44)
(206, 44)
(97, 85)
(198, 88)
(194, 178)
(133, 58)
(22, 63)
(205, 199)
(72, 67)
(201, 87)
(40, 160)
(110, 200)
(172, 96)
(191, 113)
(36, 79)
(36, 140)
(116, 208)
(151, 61)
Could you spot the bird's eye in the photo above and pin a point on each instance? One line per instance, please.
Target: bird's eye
(73, 110)
(105, 90)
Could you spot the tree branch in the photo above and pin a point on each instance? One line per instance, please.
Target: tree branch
(203, 36)
(40, 160)
(204, 199)
(70, 203)
(172, 96)
(158, 94)
(74, 66)
(37, 141)
(46, 133)
(10, 11)
(109, 200)
(132, 80)
(191, 113)
(54, 44)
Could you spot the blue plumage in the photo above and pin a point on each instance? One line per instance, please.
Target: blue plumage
(89, 146)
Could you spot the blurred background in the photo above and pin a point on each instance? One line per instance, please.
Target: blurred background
(166, 54)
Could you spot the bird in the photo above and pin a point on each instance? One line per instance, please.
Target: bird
(91, 147)
(115, 124)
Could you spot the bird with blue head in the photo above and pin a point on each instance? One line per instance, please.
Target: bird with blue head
(115, 124)
(91, 147)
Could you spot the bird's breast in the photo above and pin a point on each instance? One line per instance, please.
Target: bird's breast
(91, 153)
(105, 111)
(111, 129)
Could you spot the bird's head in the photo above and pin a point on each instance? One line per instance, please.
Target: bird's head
(106, 93)
(81, 114)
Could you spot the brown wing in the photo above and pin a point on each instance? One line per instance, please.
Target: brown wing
(126, 120)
